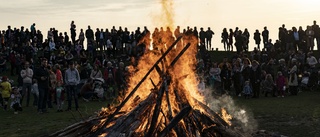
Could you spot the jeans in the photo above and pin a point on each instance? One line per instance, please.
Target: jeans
(72, 91)
(26, 89)
(43, 95)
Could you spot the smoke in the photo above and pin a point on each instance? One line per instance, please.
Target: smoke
(241, 119)
(165, 18)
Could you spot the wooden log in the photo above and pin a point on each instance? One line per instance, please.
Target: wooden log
(156, 110)
(216, 117)
(184, 112)
(138, 85)
(140, 112)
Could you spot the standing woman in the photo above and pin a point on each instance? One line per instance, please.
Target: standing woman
(224, 40)
(257, 38)
(230, 39)
(293, 79)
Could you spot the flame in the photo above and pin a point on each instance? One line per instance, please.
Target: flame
(225, 116)
(184, 79)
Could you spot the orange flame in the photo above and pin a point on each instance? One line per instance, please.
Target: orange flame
(225, 116)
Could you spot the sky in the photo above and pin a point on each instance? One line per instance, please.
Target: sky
(216, 14)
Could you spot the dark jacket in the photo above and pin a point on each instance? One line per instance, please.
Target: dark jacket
(42, 72)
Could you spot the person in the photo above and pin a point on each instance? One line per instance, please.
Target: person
(72, 79)
(42, 76)
(5, 91)
(202, 36)
(87, 90)
(214, 74)
(224, 39)
(237, 76)
(3, 64)
(81, 37)
(89, 35)
(267, 85)
(255, 78)
(26, 74)
(96, 72)
(311, 61)
(53, 84)
(35, 92)
(230, 39)
(59, 96)
(316, 29)
(73, 32)
(293, 78)
(310, 38)
(281, 84)
(246, 36)
(225, 77)
(15, 103)
(265, 35)
(257, 38)
(209, 34)
(247, 91)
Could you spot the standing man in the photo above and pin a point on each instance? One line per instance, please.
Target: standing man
(72, 79)
(26, 74)
(265, 36)
(316, 29)
(73, 32)
(209, 34)
(42, 76)
(89, 35)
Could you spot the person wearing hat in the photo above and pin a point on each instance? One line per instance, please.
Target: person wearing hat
(6, 89)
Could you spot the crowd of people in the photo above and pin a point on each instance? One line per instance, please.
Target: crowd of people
(278, 69)
(59, 68)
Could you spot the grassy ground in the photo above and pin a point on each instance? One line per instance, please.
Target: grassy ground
(29, 123)
(294, 116)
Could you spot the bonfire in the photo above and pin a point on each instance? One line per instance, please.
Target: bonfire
(162, 100)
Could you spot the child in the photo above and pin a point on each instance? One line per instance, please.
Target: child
(6, 89)
(35, 92)
(15, 104)
(281, 84)
(267, 85)
(59, 95)
(247, 91)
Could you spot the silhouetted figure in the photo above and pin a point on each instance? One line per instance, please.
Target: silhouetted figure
(316, 29)
(239, 41)
(246, 36)
(257, 38)
(265, 35)
(209, 34)
(89, 35)
(73, 32)
(202, 36)
(230, 39)
(296, 37)
(310, 38)
(196, 34)
(224, 39)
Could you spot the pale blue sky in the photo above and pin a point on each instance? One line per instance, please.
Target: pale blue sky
(217, 14)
